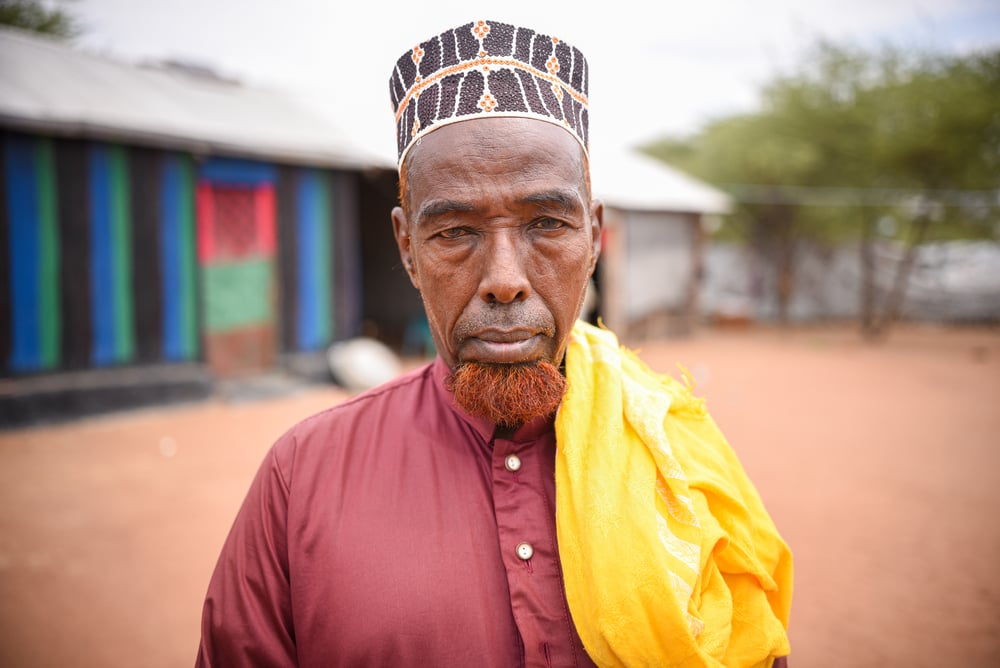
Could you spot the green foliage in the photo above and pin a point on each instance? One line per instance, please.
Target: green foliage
(851, 137)
(33, 16)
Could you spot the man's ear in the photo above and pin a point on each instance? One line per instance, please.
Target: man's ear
(401, 230)
(596, 228)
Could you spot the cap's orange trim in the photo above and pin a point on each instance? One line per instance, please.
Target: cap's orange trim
(419, 85)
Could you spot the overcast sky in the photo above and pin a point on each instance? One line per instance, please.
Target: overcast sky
(654, 72)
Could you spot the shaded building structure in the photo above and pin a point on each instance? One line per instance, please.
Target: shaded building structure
(656, 223)
(162, 227)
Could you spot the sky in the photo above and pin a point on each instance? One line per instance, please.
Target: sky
(657, 69)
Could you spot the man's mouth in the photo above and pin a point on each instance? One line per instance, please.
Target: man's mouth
(497, 346)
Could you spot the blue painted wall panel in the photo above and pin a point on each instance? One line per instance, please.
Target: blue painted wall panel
(23, 217)
(102, 275)
(313, 261)
(232, 171)
(307, 238)
(170, 260)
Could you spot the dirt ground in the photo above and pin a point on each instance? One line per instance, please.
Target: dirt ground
(879, 463)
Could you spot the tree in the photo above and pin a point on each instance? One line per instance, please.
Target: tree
(851, 138)
(33, 16)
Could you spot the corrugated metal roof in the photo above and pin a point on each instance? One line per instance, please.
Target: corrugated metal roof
(48, 86)
(627, 179)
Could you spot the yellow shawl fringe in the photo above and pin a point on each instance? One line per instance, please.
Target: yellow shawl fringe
(668, 554)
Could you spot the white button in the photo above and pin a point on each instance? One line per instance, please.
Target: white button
(524, 551)
(513, 463)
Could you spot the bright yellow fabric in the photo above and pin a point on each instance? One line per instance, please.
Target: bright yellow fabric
(668, 554)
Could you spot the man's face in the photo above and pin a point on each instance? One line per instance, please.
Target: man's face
(499, 236)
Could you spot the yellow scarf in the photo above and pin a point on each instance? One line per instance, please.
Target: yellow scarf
(668, 554)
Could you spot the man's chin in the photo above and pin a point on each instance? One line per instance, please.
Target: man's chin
(508, 394)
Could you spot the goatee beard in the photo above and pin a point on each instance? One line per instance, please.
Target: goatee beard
(508, 395)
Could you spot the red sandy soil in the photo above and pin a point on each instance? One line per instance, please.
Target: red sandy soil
(879, 463)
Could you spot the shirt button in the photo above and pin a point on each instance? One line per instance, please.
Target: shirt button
(513, 463)
(525, 551)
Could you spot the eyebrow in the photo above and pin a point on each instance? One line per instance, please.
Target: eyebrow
(442, 207)
(565, 201)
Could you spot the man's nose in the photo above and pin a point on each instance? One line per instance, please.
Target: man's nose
(504, 277)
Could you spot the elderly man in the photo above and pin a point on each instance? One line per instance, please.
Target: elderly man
(535, 496)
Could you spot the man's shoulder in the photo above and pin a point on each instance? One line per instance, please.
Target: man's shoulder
(373, 426)
(403, 389)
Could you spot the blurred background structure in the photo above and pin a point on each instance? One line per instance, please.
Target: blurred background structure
(656, 229)
(163, 227)
(867, 188)
(802, 207)
(167, 224)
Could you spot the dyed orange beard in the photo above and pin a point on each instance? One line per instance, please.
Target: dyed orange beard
(508, 394)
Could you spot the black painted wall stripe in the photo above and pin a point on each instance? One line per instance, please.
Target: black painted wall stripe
(346, 274)
(74, 254)
(147, 285)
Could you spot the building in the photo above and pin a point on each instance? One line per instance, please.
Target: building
(162, 227)
(656, 220)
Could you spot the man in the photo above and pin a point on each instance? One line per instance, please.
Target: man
(533, 497)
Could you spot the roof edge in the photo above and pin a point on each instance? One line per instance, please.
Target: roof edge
(98, 132)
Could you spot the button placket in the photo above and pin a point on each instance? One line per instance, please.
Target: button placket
(522, 549)
(521, 502)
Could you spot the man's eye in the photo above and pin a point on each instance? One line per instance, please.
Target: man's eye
(549, 224)
(453, 233)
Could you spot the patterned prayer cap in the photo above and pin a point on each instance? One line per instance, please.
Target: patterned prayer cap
(488, 68)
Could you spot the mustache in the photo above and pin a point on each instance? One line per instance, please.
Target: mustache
(504, 317)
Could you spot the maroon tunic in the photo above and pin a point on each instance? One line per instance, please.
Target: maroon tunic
(385, 531)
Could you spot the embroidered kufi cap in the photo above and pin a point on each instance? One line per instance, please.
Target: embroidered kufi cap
(488, 68)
